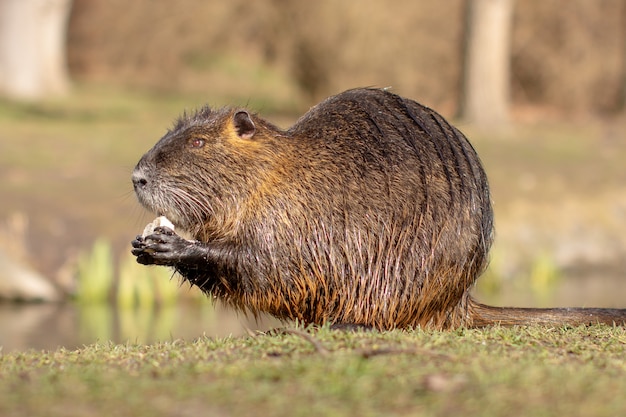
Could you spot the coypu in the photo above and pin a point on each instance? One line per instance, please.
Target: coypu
(371, 210)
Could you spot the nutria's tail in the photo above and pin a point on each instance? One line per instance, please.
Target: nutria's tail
(484, 315)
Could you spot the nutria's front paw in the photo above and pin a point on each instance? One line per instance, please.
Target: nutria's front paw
(165, 247)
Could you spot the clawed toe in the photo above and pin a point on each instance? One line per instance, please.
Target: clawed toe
(164, 230)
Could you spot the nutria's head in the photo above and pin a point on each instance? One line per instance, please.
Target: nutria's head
(200, 173)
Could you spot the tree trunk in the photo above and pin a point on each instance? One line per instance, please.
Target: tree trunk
(487, 62)
(32, 48)
(622, 102)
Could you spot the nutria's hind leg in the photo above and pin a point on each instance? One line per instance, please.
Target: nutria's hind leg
(352, 327)
(341, 327)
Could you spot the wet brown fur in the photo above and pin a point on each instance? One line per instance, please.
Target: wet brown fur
(371, 209)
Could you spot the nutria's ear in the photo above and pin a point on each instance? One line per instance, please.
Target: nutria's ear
(244, 124)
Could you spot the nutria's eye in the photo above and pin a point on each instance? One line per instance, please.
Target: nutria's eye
(197, 143)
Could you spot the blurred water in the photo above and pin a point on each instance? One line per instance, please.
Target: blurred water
(68, 325)
(582, 287)
(49, 326)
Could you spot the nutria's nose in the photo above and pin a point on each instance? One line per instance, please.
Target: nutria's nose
(139, 179)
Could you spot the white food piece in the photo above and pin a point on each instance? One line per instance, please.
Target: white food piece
(160, 221)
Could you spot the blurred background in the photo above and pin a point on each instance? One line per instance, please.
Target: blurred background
(87, 86)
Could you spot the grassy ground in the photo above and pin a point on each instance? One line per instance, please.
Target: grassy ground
(491, 372)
